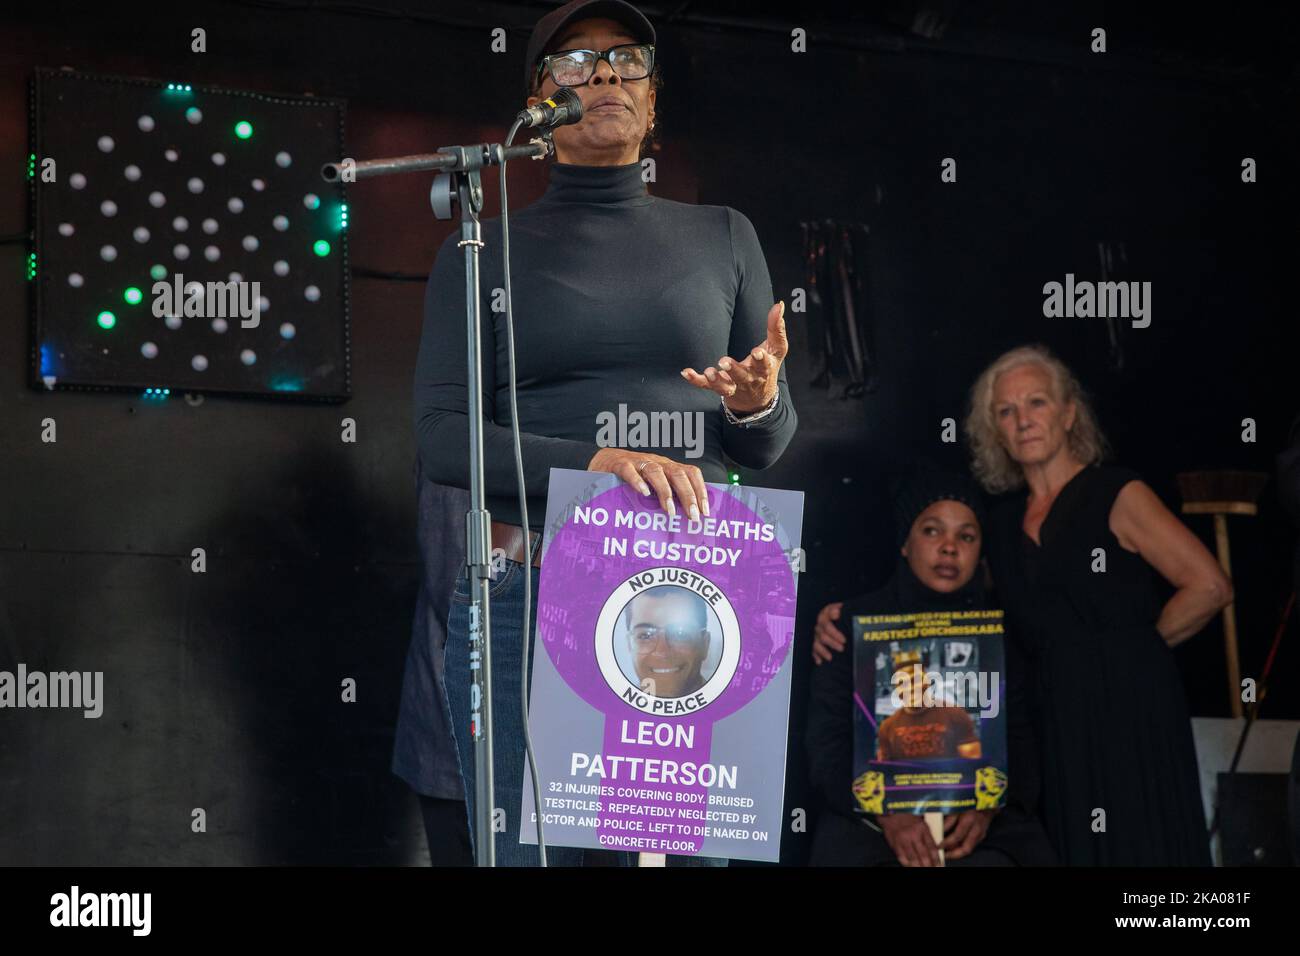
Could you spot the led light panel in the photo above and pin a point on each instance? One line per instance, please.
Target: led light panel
(186, 241)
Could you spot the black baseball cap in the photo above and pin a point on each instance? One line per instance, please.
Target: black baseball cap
(549, 26)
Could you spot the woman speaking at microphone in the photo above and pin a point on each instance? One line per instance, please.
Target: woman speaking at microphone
(620, 298)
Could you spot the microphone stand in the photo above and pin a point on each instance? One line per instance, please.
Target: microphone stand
(458, 182)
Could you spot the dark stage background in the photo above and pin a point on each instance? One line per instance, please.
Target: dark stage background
(223, 689)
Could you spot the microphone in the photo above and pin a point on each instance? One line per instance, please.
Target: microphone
(561, 109)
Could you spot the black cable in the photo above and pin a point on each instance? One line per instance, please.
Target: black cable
(523, 498)
(1252, 712)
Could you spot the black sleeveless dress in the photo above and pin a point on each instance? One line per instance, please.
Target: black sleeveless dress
(1114, 734)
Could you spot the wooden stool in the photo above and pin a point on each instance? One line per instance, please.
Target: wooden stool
(1223, 493)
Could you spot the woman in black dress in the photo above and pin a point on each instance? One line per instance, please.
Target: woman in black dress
(1074, 554)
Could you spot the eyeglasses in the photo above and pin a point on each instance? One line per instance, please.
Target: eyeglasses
(631, 61)
(647, 634)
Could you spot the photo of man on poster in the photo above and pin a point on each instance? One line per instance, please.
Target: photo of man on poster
(920, 730)
(668, 642)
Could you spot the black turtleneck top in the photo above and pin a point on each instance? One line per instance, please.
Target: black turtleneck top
(615, 292)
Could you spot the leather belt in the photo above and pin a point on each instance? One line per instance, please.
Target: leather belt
(510, 538)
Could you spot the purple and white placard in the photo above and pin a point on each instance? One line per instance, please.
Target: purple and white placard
(661, 677)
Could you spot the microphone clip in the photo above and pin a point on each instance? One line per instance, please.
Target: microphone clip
(546, 141)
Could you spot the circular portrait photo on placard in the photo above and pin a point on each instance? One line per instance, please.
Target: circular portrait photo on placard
(669, 641)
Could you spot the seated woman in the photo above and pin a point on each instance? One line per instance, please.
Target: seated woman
(939, 520)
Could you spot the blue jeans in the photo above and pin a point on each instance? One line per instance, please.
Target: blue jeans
(506, 595)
